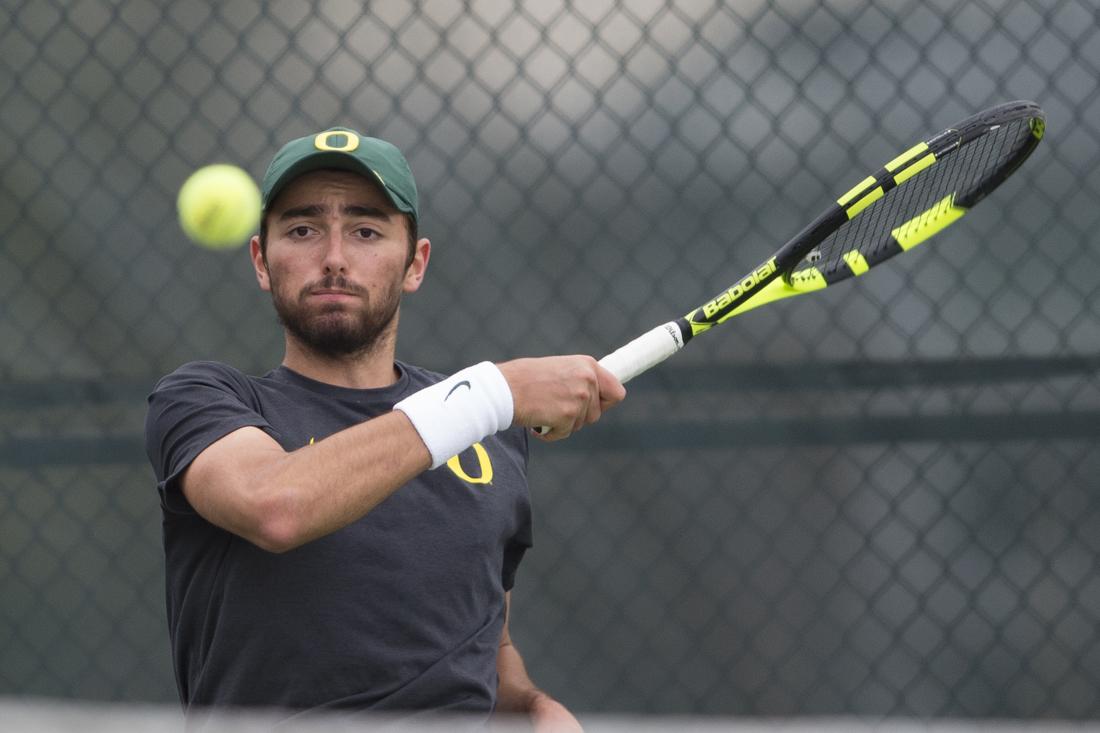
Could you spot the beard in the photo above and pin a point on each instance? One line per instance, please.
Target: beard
(333, 330)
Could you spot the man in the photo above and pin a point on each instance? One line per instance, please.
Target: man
(343, 532)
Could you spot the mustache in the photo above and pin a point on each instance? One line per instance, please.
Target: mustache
(333, 282)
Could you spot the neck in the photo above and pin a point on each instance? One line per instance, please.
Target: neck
(370, 368)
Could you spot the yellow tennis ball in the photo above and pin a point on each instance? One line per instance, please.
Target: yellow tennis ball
(219, 206)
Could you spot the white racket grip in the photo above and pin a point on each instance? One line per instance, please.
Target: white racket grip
(644, 352)
(639, 355)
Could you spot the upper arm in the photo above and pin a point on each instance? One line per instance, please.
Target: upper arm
(225, 482)
(188, 411)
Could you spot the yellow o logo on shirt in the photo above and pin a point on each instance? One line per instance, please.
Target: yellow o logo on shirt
(483, 462)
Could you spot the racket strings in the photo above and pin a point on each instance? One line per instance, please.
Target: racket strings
(958, 175)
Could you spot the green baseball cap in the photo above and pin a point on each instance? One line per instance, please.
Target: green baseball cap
(344, 149)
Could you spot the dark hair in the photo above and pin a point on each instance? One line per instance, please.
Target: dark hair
(410, 225)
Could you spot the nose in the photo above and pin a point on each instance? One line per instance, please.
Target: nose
(335, 259)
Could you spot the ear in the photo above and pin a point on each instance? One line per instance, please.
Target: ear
(414, 273)
(258, 263)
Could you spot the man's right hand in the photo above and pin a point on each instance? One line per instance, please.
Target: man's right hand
(563, 393)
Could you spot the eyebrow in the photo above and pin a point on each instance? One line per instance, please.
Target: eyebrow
(314, 210)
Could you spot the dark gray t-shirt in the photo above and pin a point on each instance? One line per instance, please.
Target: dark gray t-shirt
(400, 610)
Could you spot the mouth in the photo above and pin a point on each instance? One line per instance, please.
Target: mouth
(327, 294)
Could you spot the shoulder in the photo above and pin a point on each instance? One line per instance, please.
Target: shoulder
(200, 374)
(200, 383)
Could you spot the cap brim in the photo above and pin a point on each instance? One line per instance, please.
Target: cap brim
(325, 160)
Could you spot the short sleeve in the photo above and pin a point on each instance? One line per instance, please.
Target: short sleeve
(188, 410)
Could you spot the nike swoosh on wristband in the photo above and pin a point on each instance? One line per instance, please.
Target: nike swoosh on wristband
(464, 383)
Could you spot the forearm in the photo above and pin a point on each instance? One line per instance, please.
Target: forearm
(428, 428)
(516, 693)
(331, 483)
(344, 477)
(247, 484)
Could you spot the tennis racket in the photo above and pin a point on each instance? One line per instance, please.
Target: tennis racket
(914, 196)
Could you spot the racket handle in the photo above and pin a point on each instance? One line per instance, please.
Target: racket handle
(644, 352)
(641, 354)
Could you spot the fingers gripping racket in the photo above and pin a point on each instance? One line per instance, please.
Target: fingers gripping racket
(914, 196)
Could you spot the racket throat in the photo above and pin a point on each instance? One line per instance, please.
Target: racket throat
(796, 283)
(777, 288)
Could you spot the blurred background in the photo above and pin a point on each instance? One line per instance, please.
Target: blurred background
(878, 501)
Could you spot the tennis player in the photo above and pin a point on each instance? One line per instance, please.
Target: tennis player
(343, 532)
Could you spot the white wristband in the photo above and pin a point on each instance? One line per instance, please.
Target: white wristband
(454, 414)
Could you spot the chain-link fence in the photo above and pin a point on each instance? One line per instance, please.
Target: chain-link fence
(887, 508)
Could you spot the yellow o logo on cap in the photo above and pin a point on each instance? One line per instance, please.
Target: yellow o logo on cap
(351, 141)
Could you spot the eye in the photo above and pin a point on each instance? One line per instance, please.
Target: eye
(367, 233)
(299, 231)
